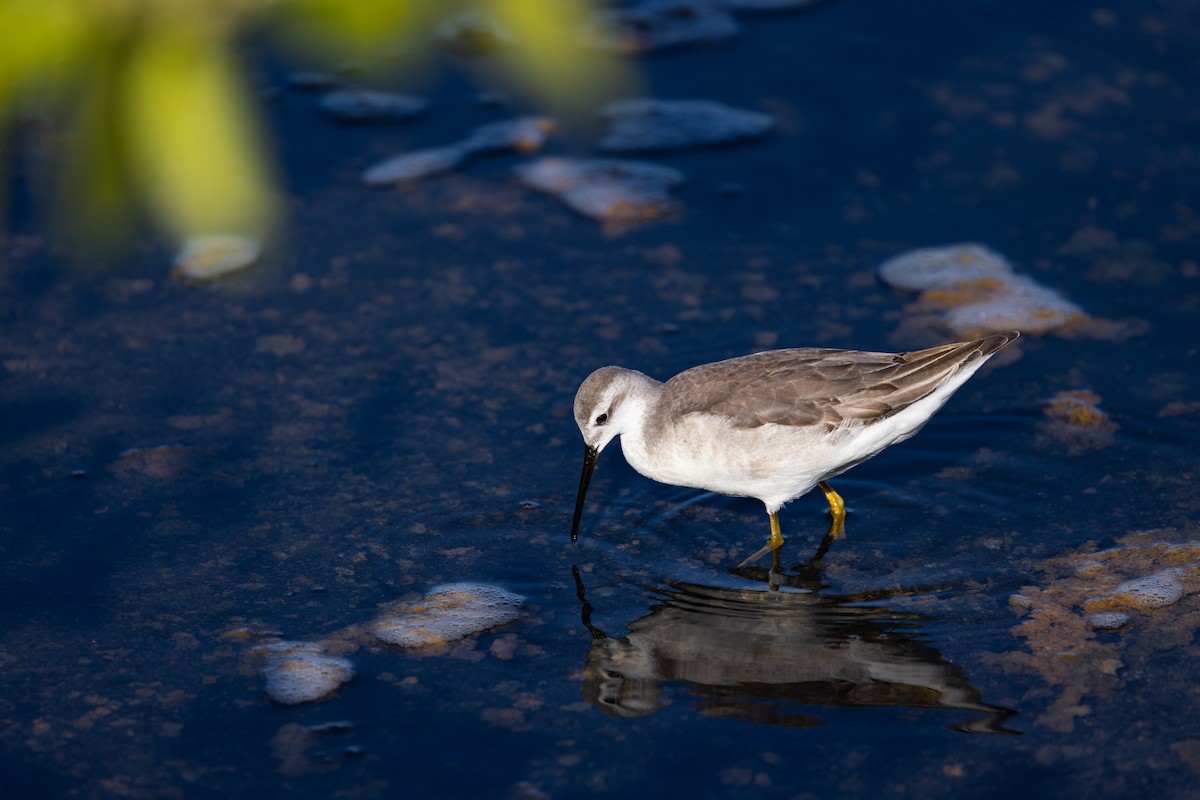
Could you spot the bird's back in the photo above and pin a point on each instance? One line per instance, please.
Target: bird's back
(821, 387)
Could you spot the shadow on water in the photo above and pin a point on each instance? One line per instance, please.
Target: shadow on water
(772, 655)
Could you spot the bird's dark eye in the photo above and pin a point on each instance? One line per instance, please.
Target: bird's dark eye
(603, 418)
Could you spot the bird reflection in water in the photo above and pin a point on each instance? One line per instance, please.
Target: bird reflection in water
(771, 656)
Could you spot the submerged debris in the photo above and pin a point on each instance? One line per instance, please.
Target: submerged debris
(976, 291)
(448, 612)
(214, 255)
(301, 672)
(1180, 408)
(661, 25)
(523, 135)
(323, 747)
(163, 462)
(366, 105)
(1076, 420)
(616, 192)
(647, 124)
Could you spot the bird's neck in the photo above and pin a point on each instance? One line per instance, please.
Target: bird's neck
(639, 405)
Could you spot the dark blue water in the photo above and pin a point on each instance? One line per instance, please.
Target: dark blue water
(401, 416)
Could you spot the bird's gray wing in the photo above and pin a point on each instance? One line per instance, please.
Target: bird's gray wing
(818, 386)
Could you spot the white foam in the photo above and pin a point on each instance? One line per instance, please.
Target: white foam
(1022, 304)
(1154, 591)
(209, 256)
(648, 124)
(522, 135)
(1108, 620)
(366, 105)
(414, 166)
(448, 612)
(990, 295)
(944, 267)
(609, 190)
(301, 672)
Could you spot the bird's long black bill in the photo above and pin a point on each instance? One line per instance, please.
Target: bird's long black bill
(590, 454)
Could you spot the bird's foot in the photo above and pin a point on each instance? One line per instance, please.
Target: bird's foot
(769, 547)
(837, 510)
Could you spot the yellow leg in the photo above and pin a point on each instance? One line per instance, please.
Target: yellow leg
(776, 533)
(772, 546)
(837, 510)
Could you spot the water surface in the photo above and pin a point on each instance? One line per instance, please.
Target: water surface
(384, 405)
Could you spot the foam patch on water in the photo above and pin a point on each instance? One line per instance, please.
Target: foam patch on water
(447, 613)
(648, 124)
(978, 292)
(414, 166)
(1154, 591)
(1022, 304)
(209, 256)
(301, 672)
(365, 105)
(521, 135)
(944, 267)
(613, 191)
(1108, 620)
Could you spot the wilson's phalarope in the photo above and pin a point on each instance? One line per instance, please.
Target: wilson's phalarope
(770, 425)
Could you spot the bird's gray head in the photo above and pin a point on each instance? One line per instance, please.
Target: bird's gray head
(598, 405)
(606, 404)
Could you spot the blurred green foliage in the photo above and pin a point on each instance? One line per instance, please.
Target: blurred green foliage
(155, 107)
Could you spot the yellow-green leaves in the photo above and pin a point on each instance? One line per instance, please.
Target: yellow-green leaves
(39, 40)
(358, 28)
(148, 109)
(151, 107)
(549, 56)
(546, 55)
(189, 136)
